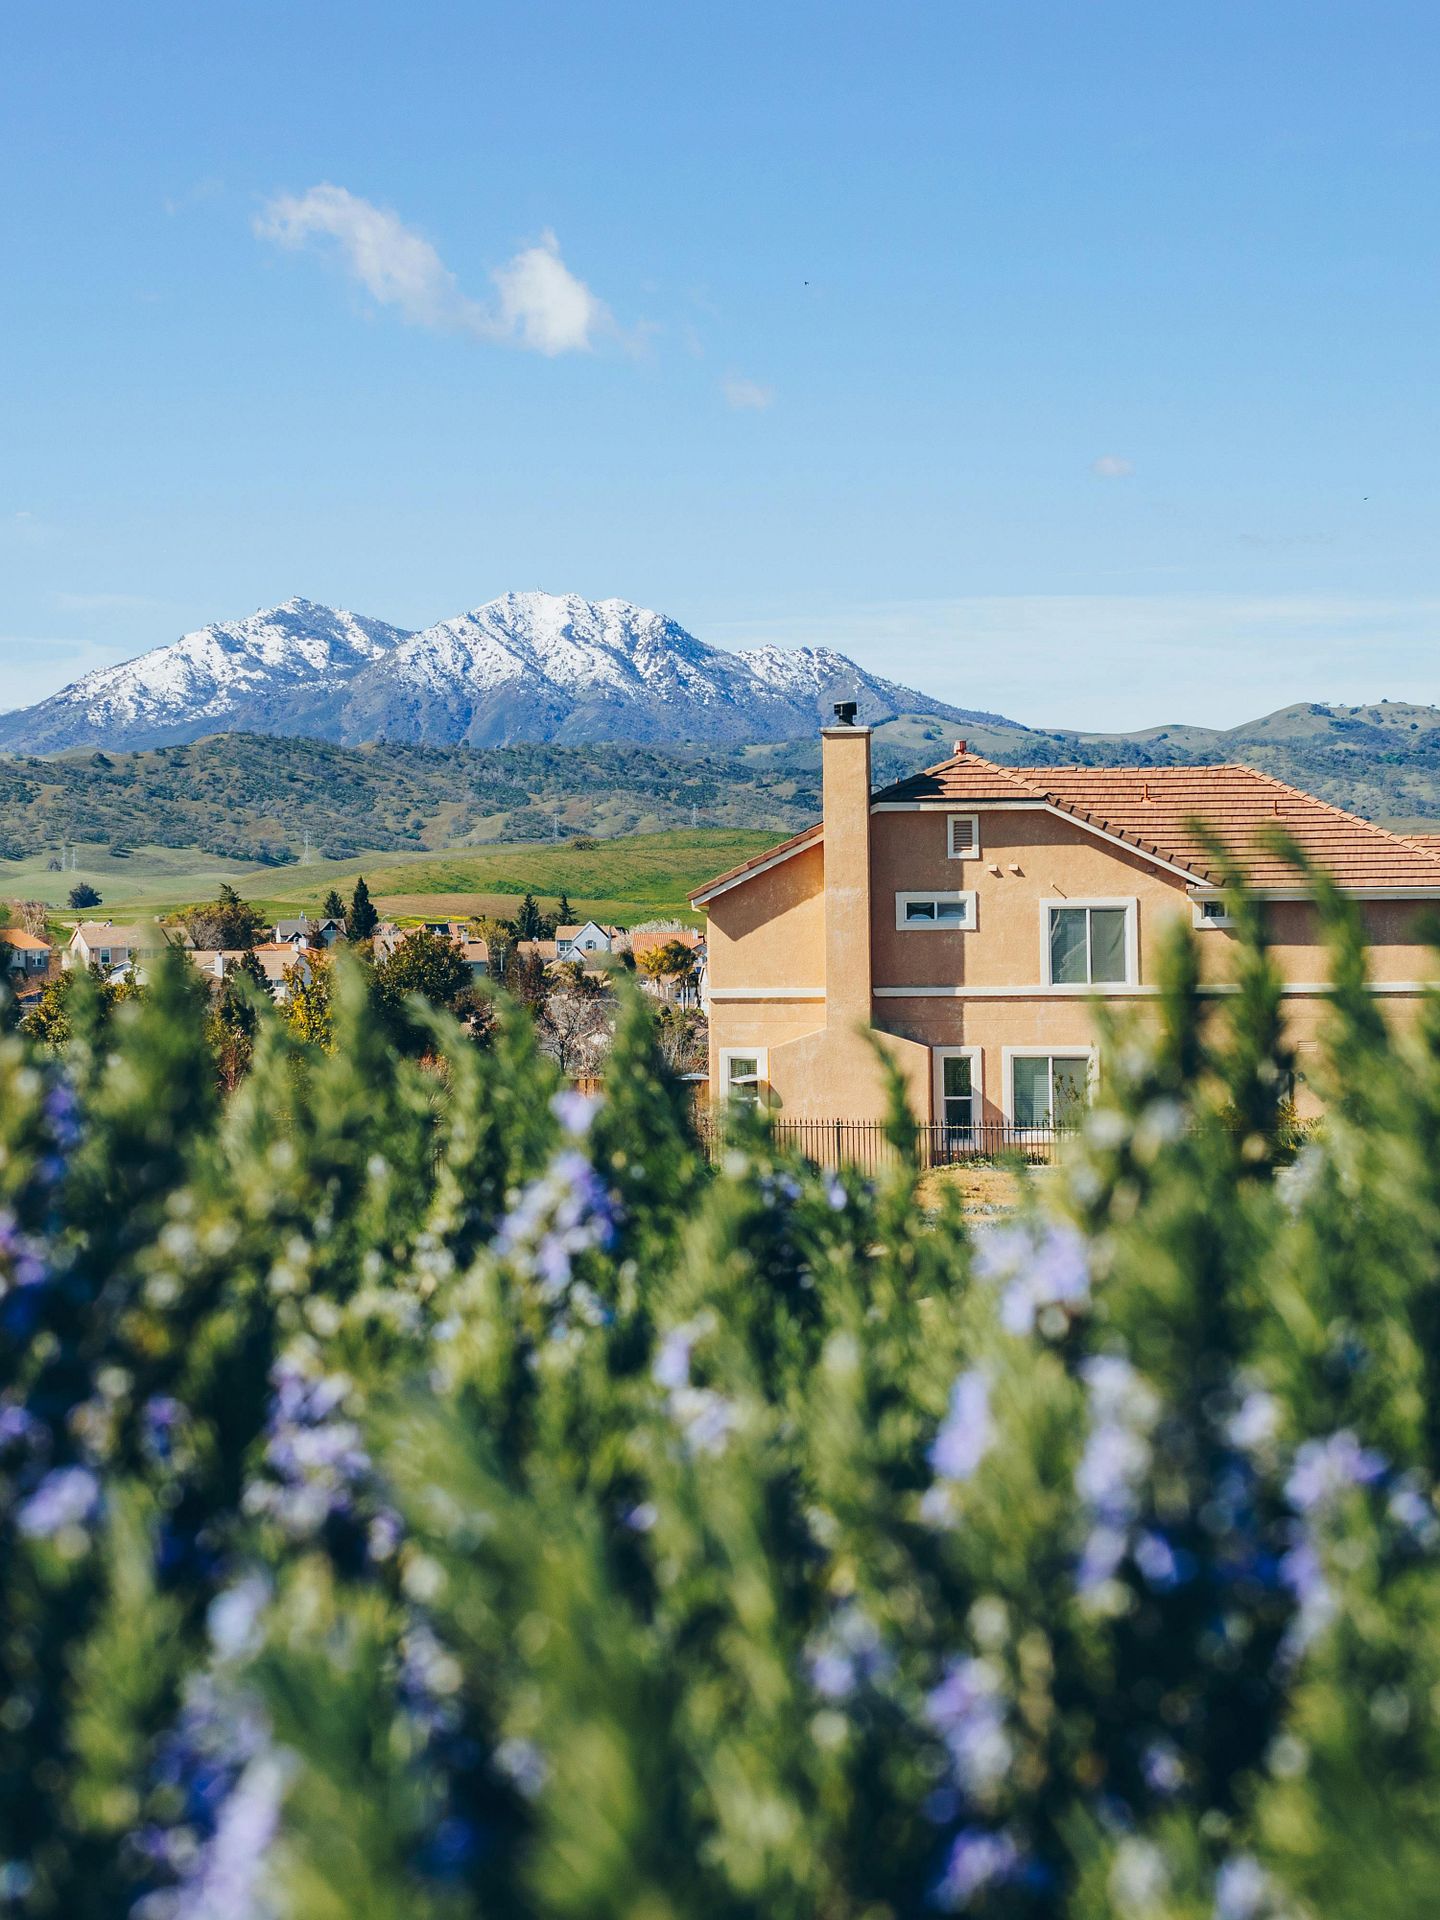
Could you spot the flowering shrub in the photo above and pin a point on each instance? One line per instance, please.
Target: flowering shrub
(424, 1492)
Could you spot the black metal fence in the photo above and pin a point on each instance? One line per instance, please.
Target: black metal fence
(866, 1144)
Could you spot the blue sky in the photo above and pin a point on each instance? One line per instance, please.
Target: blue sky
(1072, 360)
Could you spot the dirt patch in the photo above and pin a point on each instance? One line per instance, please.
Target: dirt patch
(983, 1190)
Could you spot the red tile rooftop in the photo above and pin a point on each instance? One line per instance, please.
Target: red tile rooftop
(1164, 812)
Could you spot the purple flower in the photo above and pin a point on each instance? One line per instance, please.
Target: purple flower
(1040, 1267)
(966, 1432)
(1162, 1768)
(1324, 1470)
(1316, 1607)
(978, 1859)
(66, 1497)
(566, 1212)
(1243, 1889)
(967, 1710)
(575, 1111)
(848, 1653)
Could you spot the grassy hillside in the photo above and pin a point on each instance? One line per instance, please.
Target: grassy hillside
(170, 823)
(637, 877)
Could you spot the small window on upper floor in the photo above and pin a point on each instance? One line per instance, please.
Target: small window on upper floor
(963, 836)
(1090, 945)
(1212, 912)
(948, 912)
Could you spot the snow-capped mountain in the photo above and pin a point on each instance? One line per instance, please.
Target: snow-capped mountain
(526, 667)
(233, 676)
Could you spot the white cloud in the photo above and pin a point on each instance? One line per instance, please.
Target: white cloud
(747, 396)
(1112, 466)
(539, 304)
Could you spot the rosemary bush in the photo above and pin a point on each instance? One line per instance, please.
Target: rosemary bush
(427, 1494)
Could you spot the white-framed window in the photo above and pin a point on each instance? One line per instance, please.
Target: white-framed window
(1088, 943)
(959, 1090)
(962, 836)
(744, 1072)
(1210, 912)
(935, 912)
(1048, 1086)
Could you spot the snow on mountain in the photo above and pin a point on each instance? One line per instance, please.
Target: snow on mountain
(234, 675)
(525, 667)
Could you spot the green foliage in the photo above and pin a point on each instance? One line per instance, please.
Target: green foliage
(228, 922)
(362, 919)
(84, 895)
(427, 1493)
(333, 907)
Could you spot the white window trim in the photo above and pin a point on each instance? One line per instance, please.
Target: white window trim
(971, 823)
(1132, 947)
(1221, 919)
(903, 900)
(976, 1057)
(761, 1057)
(1052, 1050)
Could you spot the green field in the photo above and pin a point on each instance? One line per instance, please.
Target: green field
(638, 877)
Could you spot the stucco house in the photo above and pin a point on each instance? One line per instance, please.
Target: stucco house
(23, 956)
(580, 942)
(101, 943)
(972, 915)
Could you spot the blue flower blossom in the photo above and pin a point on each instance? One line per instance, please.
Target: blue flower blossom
(1043, 1270)
(67, 1497)
(848, 1654)
(563, 1214)
(967, 1711)
(1324, 1470)
(1243, 1890)
(966, 1433)
(978, 1859)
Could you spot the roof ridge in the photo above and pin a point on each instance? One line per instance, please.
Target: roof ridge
(1078, 812)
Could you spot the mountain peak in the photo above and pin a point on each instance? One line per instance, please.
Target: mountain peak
(529, 666)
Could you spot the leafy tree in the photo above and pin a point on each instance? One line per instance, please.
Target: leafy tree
(674, 961)
(235, 1018)
(334, 906)
(82, 894)
(306, 1006)
(362, 919)
(529, 921)
(229, 922)
(424, 963)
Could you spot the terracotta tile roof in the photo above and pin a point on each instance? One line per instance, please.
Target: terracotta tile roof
(1152, 808)
(17, 937)
(797, 841)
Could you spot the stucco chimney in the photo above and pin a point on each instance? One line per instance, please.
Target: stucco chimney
(845, 764)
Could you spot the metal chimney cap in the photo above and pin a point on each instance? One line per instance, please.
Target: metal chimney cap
(845, 711)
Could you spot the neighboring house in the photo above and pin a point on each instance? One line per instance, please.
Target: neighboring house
(665, 987)
(573, 943)
(546, 950)
(276, 959)
(971, 916)
(23, 956)
(475, 953)
(306, 932)
(100, 943)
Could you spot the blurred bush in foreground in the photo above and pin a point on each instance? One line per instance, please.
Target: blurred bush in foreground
(428, 1495)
